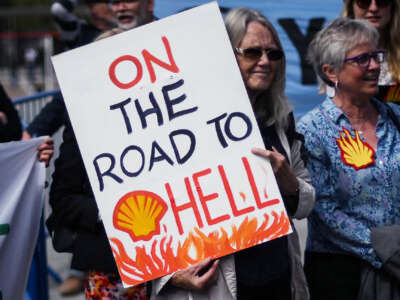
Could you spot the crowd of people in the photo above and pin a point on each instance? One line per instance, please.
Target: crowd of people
(339, 166)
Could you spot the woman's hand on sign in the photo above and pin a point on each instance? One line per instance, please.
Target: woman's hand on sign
(198, 276)
(285, 177)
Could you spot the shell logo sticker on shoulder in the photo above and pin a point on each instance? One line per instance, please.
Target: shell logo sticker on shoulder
(354, 151)
(139, 213)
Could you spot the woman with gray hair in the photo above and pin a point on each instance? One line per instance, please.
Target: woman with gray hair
(353, 144)
(384, 15)
(271, 270)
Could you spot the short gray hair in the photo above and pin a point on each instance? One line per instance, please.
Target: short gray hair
(333, 42)
(273, 105)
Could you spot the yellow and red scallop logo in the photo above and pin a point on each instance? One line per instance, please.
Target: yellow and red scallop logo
(354, 151)
(139, 213)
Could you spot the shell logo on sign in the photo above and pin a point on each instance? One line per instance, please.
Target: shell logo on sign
(354, 151)
(139, 213)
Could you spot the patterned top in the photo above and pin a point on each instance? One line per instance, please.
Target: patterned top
(350, 202)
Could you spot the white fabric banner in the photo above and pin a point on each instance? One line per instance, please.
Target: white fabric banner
(22, 180)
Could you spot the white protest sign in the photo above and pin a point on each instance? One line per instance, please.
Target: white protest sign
(165, 129)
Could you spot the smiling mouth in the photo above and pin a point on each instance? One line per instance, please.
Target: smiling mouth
(373, 18)
(371, 78)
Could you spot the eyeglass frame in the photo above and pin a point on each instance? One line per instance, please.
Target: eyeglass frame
(370, 56)
(266, 50)
(378, 3)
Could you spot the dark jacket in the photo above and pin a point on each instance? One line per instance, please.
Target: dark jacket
(50, 118)
(12, 130)
(73, 206)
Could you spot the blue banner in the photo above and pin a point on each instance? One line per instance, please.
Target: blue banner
(296, 21)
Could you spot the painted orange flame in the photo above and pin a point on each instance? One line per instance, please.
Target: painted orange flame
(148, 266)
(139, 213)
(354, 151)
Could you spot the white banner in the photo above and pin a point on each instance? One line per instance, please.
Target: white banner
(21, 201)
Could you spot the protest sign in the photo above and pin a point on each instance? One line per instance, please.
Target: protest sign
(21, 206)
(165, 129)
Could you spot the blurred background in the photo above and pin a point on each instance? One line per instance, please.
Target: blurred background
(28, 38)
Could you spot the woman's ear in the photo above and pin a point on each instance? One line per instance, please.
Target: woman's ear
(329, 72)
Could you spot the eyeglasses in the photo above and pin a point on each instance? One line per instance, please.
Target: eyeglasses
(364, 60)
(118, 2)
(364, 4)
(255, 53)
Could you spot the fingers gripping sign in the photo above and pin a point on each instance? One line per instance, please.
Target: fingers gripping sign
(46, 151)
(198, 276)
(285, 177)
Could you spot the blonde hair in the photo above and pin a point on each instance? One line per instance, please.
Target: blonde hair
(392, 38)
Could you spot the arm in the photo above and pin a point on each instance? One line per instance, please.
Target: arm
(67, 23)
(49, 120)
(306, 190)
(328, 220)
(71, 197)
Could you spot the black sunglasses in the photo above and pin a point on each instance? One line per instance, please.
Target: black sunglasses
(364, 4)
(255, 53)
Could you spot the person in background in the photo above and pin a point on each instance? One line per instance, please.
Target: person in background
(270, 270)
(77, 32)
(353, 146)
(384, 15)
(74, 32)
(74, 207)
(11, 129)
(10, 125)
(132, 13)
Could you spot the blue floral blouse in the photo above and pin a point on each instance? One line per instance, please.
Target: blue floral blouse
(350, 201)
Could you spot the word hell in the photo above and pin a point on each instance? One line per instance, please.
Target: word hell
(192, 205)
(149, 59)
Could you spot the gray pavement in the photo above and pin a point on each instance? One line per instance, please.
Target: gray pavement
(59, 262)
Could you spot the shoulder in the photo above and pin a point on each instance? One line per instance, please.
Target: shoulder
(311, 121)
(395, 108)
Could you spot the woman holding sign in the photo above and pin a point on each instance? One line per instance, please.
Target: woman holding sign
(384, 15)
(353, 143)
(271, 270)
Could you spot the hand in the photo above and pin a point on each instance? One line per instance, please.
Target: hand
(26, 135)
(3, 118)
(285, 177)
(192, 278)
(46, 151)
